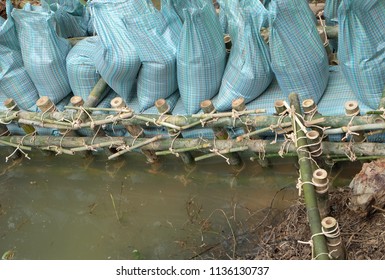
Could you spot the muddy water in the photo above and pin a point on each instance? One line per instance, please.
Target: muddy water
(63, 207)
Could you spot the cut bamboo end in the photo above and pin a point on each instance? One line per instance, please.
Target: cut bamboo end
(279, 106)
(162, 106)
(207, 106)
(45, 104)
(228, 43)
(314, 143)
(11, 104)
(320, 176)
(352, 108)
(309, 106)
(329, 223)
(312, 135)
(77, 101)
(117, 102)
(239, 104)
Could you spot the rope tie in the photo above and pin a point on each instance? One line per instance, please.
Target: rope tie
(311, 243)
(319, 15)
(312, 112)
(333, 233)
(171, 149)
(321, 188)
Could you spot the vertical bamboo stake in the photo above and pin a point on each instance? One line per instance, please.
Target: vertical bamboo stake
(92, 100)
(318, 239)
(352, 109)
(163, 108)
(135, 130)
(78, 101)
(332, 232)
(321, 183)
(311, 113)
(239, 105)
(279, 106)
(10, 104)
(220, 133)
(314, 141)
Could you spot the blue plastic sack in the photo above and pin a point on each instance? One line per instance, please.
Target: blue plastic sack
(248, 72)
(14, 80)
(81, 70)
(361, 48)
(298, 57)
(201, 56)
(155, 37)
(71, 18)
(116, 59)
(44, 52)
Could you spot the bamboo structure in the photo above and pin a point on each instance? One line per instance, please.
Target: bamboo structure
(320, 249)
(296, 135)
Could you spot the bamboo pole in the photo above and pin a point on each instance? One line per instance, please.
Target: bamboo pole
(220, 133)
(177, 121)
(321, 183)
(332, 232)
(164, 108)
(330, 149)
(310, 111)
(135, 130)
(352, 109)
(318, 239)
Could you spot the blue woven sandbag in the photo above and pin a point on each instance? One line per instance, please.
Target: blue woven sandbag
(361, 48)
(71, 20)
(156, 37)
(44, 52)
(81, 70)
(248, 72)
(331, 18)
(298, 57)
(14, 80)
(201, 56)
(116, 58)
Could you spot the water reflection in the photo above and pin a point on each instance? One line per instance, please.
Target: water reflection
(62, 207)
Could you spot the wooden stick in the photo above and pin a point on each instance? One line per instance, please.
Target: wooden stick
(222, 152)
(136, 146)
(168, 152)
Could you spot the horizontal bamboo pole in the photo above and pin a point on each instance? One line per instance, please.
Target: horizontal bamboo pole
(258, 146)
(177, 122)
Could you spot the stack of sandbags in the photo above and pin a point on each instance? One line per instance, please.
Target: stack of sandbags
(44, 52)
(14, 80)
